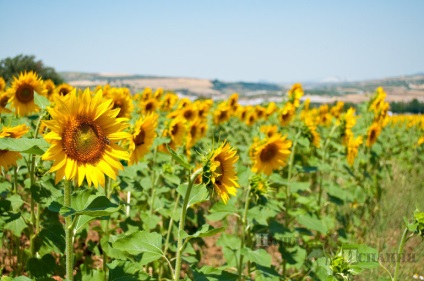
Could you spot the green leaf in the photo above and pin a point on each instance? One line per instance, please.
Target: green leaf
(41, 267)
(312, 223)
(41, 101)
(161, 140)
(178, 158)
(141, 242)
(221, 210)
(205, 231)
(125, 271)
(16, 226)
(99, 207)
(259, 256)
(199, 193)
(24, 145)
(209, 273)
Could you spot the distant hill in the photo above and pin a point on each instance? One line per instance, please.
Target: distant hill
(402, 88)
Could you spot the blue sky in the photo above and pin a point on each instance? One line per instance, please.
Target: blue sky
(278, 41)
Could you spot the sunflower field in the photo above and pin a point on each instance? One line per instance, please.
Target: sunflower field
(105, 184)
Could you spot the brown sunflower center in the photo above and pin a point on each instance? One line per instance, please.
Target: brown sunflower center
(149, 106)
(3, 101)
(174, 130)
(268, 153)
(373, 134)
(188, 114)
(3, 152)
(83, 140)
(193, 131)
(223, 115)
(219, 172)
(25, 94)
(139, 139)
(64, 91)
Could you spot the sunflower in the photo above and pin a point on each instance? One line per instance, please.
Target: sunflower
(4, 99)
(219, 173)
(295, 93)
(143, 137)
(2, 84)
(202, 108)
(147, 94)
(287, 113)
(269, 130)
(251, 118)
(420, 141)
(64, 89)
(260, 112)
(158, 94)
(9, 158)
(194, 133)
(270, 109)
(352, 149)
(311, 131)
(83, 137)
(149, 106)
(222, 113)
(233, 101)
(50, 89)
(184, 102)
(22, 93)
(189, 112)
(373, 133)
(271, 154)
(337, 109)
(176, 131)
(168, 101)
(121, 99)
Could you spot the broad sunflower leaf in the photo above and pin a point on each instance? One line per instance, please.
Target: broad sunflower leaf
(259, 256)
(141, 242)
(101, 206)
(209, 273)
(205, 231)
(24, 145)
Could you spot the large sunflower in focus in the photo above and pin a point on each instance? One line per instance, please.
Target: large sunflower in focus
(9, 158)
(83, 137)
(219, 173)
(22, 93)
(271, 155)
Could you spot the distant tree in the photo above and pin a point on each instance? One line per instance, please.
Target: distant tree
(10, 67)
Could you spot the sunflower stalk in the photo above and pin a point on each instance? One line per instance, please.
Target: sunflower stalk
(182, 224)
(106, 229)
(400, 252)
(69, 231)
(35, 218)
(244, 234)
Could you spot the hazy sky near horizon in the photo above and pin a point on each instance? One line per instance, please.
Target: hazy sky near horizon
(278, 41)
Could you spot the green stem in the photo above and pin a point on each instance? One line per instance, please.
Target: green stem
(69, 233)
(400, 252)
(15, 180)
(153, 180)
(182, 224)
(106, 228)
(243, 234)
(34, 218)
(168, 235)
(324, 158)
